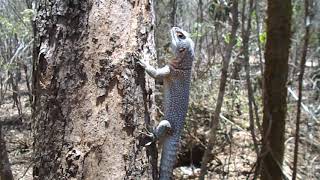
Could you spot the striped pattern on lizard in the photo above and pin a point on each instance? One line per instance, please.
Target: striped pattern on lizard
(176, 76)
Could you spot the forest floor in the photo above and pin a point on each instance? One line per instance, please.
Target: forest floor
(17, 134)
(234, 157)
(234, 153)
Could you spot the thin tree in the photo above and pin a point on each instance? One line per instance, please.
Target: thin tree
(275, 90)
(246, 37)
(5, 169)
(224, 75)
(302, 68)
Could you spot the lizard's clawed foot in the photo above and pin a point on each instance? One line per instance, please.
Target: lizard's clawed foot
(161, 131)
(142, 63)
(139, 61)
(149, 137)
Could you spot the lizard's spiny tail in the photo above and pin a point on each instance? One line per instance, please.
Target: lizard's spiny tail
(168, 157)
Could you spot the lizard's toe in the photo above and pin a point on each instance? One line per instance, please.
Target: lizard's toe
(148, 137)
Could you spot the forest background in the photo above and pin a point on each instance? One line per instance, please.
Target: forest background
(238, 61)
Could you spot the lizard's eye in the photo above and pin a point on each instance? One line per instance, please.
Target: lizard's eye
(180, 35)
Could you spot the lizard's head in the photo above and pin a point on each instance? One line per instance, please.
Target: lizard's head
(182, 44)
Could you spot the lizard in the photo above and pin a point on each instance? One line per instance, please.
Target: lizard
(176, 76)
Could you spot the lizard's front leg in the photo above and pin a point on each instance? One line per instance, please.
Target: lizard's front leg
(164, 127)
(152, 71)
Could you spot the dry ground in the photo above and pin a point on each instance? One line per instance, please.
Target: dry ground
(234, 157)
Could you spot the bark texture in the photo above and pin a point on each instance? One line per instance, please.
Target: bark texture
(275, 90)
(90, 99)
(5, 169)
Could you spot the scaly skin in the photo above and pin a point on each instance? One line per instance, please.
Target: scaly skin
(176, 76)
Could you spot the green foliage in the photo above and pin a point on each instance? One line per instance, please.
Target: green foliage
(10, 67)
(314, 39)
(27, 15)
(254, 14)
(239, 42)
(263, 38)
(15, 32)
(15, 24)
(227, 40)
(219, 11)
(196, 30)
(6, 25)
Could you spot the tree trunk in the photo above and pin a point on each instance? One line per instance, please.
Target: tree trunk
(90, 98)
(5, 169)
(300, 87)
(222, 87)
(275, 90)
(173, 4)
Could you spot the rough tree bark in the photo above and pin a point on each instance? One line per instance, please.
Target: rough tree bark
(173, 19)
(90, 98)
(275, 90)
(5, 169)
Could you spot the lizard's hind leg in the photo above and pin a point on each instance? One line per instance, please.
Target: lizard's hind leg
(159, 133)
(162, 130)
